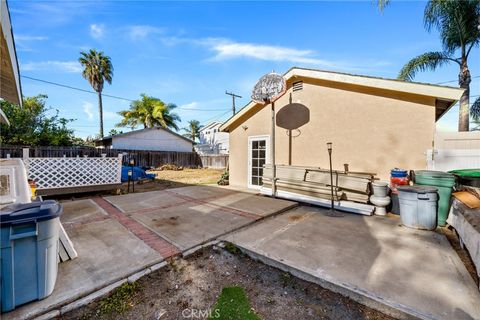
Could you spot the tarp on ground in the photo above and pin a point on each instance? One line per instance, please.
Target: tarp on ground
(137, 174)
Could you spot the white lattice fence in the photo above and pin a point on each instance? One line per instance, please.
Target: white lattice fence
(54, 173)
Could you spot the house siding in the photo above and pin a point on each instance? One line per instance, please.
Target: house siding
(154, 140)
(213, 141)
(371, 130)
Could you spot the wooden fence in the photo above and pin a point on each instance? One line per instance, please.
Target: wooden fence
(142, 158)
(219, 161)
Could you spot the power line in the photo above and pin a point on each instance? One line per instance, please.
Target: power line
(75, 88)
(104, 94)
(454, 80)
(216, 117)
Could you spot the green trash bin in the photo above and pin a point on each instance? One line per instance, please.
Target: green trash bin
(468, 177)
(444, 182)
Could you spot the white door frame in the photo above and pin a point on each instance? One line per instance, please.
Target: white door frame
(249, 160)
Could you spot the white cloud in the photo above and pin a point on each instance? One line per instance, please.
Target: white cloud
(24, 41)
(191, 106)
(97, 31)
(63, 66)
(225, 49)
(88, 109)
(140, 32)
(25, 37)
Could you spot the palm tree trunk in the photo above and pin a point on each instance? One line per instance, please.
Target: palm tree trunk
(464, 80)
(100, 112)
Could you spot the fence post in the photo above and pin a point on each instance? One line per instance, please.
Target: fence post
(26, 153)
(120, 163)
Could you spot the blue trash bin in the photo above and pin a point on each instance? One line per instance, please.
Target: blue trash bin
(29, 252)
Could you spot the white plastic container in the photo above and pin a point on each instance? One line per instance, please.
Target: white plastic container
(14, 186)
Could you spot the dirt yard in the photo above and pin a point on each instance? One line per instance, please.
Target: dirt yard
(190, 176)
(195, 283)
(173, 179)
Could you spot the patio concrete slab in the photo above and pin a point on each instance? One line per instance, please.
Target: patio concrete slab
(258, 204)
(107, 252)
(81, 210)
(201, 192)
(133, 202)
(399, 271)
(190, 225)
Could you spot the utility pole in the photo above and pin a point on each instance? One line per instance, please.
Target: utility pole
(233, 100)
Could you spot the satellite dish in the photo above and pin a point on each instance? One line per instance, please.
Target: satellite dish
(293, 116)
(269, 88)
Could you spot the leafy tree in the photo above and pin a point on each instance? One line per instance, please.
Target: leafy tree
(458, 23)
(193, 130)
(32, 126)
(98, 68)
(113, 132)
(149, 112)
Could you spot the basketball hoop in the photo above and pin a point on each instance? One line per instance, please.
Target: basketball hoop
(269, 88)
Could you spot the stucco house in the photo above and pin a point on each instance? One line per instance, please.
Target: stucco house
(212, 140)
(10, 87)
(148, 139)
(375, 124)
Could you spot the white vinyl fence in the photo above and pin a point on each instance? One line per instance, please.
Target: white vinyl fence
(62, 173)
(450, 159)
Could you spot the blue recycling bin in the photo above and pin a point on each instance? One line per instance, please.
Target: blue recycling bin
(29, 238)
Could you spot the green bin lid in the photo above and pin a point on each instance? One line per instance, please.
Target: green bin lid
(417, 189)
(467, 172)
(434, 174)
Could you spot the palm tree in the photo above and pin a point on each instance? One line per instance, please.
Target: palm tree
(149, 112)
(98, 68)
(458, 23)
(193, 130)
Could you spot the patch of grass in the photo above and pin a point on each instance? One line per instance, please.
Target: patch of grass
(233, 304)
(230, 247)
(286, 279)
(224, 179)
(120, 300)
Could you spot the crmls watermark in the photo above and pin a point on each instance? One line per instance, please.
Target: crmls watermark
(200, 313)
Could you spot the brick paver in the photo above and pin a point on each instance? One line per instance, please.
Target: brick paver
(153, 240)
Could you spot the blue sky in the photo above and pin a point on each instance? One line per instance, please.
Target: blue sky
(189, 53)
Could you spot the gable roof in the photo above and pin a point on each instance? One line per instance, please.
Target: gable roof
(145, 129)
(210, 125)
(445, 96)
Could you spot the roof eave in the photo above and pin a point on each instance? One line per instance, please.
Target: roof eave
(443, 92)
(7, 29)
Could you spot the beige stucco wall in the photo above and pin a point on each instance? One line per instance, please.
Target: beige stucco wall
(371, 130)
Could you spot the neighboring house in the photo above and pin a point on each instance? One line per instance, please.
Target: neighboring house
(10, 88)
(212, 140)
(375, 125)
(149, 139)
